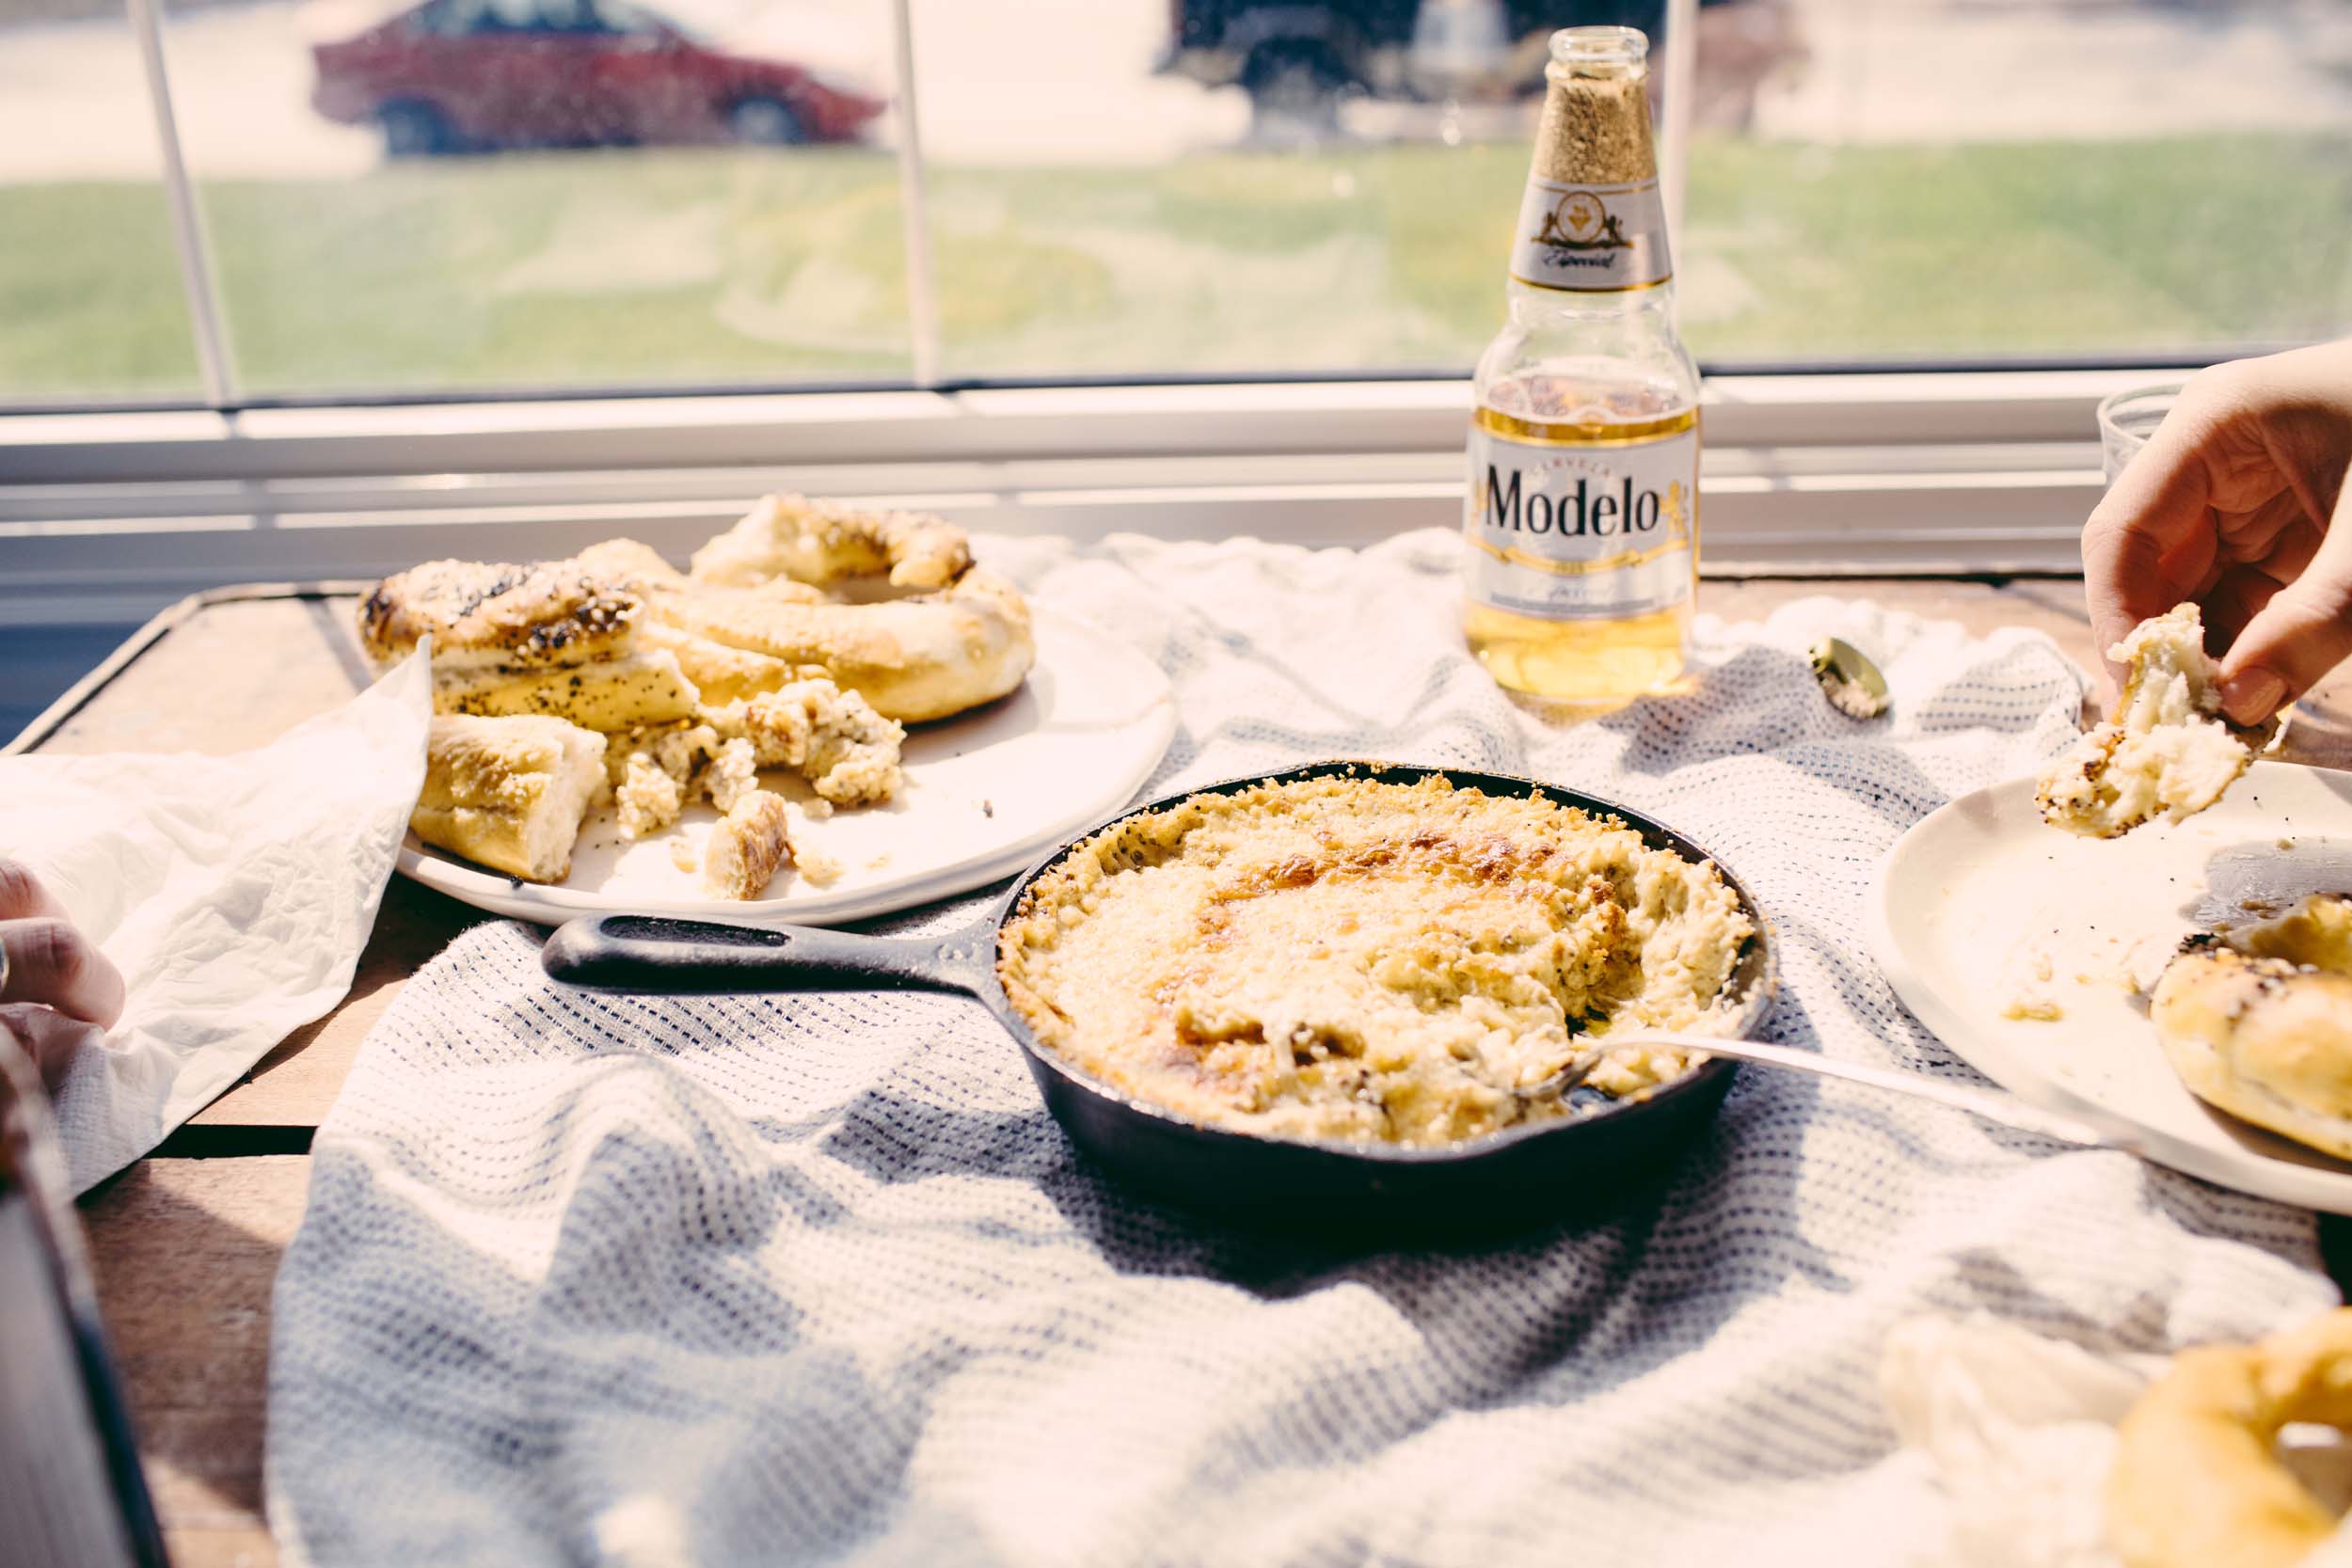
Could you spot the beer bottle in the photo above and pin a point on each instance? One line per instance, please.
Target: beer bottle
(1583, 507)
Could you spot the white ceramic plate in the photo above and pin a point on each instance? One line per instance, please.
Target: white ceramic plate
(1974, 900)
(986, 793)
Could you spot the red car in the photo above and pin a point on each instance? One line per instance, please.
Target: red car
(459, 75)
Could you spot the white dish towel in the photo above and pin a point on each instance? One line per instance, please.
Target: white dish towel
(815, 1278)
(234, 892)
(2011, 1437)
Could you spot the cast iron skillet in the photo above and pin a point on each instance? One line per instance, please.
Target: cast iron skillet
(1549, 1169)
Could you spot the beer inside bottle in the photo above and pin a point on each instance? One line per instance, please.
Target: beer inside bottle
(1581, 513)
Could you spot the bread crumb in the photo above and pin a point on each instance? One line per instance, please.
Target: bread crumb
(748, 846)
(730, 775)
(648, 797)
(686, 751)
(830, 736)
(2026, 972)
(682, 853)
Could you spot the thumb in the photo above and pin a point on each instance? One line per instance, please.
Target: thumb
(2294, 639)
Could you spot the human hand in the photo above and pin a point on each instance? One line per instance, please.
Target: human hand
(2230, 504)
(44, 959)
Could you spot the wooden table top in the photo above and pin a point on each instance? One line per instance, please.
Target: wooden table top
(187, 1242)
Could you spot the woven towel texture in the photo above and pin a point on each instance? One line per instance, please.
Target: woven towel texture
(815, 1278)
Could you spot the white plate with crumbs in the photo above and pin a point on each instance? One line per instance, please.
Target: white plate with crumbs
(986, 792)
(2028, 951)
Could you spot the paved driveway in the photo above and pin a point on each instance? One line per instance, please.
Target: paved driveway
(1073, 81)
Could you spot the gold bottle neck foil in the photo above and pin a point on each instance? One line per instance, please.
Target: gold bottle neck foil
(1595, 125)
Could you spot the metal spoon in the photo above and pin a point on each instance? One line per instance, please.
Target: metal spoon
(2003, 1110)
(1855, 685)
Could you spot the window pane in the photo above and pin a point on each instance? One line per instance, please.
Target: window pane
(1221, 185)
(512, 195)
(90, 301)
(2032, 178)
(1200, 185)
(569, 194)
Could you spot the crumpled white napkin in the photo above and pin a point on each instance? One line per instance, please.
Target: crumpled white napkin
(2016, 1434)
(234, 894)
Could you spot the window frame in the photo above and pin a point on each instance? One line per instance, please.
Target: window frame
(1863, 407)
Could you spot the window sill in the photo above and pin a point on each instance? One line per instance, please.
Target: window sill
(105, 516)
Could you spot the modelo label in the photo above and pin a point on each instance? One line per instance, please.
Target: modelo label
(1563, 529)
(1593, 238)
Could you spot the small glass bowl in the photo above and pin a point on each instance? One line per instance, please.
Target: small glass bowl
(2126, 419)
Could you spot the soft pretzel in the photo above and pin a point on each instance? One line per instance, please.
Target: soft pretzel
(826, 543)
(628, 563)
(508, 792)
(554, 639)
(2196, 1482)
(886, 604)
(487, 615)
(2258, 1021)
(913, 658)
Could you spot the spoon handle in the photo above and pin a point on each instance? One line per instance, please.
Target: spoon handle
(2002, 1109)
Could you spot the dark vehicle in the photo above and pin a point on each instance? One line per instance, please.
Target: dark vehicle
(1298, 56)
(460, 75)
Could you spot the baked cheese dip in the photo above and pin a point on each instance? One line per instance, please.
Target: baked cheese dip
(1343, 958)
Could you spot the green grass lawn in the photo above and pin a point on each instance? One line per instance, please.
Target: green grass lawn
(688, 267)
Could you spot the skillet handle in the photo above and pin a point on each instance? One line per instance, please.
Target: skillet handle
(668, 955)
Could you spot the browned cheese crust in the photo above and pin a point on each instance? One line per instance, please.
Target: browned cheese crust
(1346, 958)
